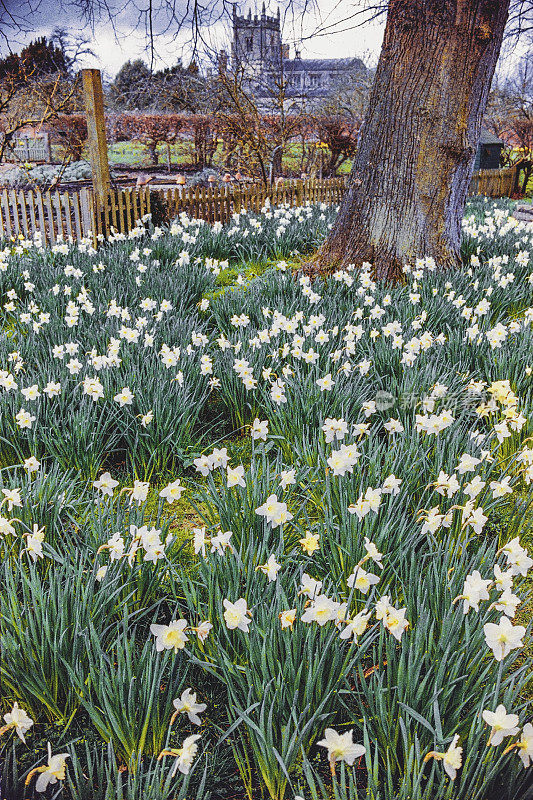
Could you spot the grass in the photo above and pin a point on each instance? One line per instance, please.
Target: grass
(136, 154)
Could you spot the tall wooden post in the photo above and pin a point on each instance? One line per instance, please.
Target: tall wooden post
(94, 109)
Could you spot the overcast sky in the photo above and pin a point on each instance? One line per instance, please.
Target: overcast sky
(325, 30)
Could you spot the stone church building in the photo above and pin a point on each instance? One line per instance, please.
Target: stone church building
(258, 50)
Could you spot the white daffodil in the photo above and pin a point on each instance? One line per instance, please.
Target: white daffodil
(34, 542)
(310, 542)
(235, 477)
(452, 758)
(525, 745)
(24, 419)
(362, 580)
(503, 581)
(508, 603)
(270, 568)
(503, 637)
(517, 557)
(395, 621)
(501, 724)
(221, 542)
(31, 464)
(391, 485)
(259, 429)
(501, 488)
(171, 636)
(139, 491)
(309, 586)
(373, 552)
(105, 484)
(115, 545)
(184, 755)
(18, 720)
(199, 540)
(6, 527)
(321, 609)
(187, 704)
(203, 630)
(274, 511)
(124, 397)
(356, 626)
(12, 497)
(341, 747)
(51, 773)
(326, 383)
(147, 418)
(237, 615)
(172, 491)
(287, 618)
(475, 589)
(287, 478)
(467, 463)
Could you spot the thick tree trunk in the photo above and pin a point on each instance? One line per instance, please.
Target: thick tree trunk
(410, 177)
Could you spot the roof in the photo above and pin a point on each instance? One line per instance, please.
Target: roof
(308, 64)
(489, 138)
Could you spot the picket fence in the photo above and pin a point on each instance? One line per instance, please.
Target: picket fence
(35, 149)
(494, 182)
(61, 216)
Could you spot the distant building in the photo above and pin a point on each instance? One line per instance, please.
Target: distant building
(258, 50)
(256, 45)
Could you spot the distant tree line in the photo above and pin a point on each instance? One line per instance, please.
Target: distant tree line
(173, 89)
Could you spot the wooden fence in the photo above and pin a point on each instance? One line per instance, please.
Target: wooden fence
(30, 148)
(218, 204)
(58, 216)
(493, 182)
(55, 215)
(63, 215)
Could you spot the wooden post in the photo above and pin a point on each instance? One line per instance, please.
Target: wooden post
(299, 192)
(47, 147)
(94, 108)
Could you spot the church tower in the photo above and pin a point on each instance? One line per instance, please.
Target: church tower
(256, 45)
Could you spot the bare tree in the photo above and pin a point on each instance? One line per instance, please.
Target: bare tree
(256, 120)
(29, 99)
(73, 47)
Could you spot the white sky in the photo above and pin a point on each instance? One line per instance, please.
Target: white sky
(111, 54)
(338, 39)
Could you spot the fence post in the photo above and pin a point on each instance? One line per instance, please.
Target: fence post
(94, 108)
(299, 192)
(47, 147)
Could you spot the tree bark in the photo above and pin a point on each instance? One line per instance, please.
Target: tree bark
(411, 173)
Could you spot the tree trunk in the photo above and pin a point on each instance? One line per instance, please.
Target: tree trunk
(277, 163)
(151, 146)
(411, 173)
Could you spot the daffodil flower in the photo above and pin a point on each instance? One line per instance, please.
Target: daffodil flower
(51, 773)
